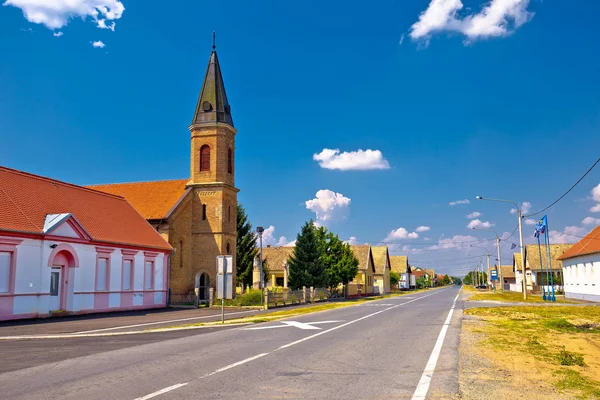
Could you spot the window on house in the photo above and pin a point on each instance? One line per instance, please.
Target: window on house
(204, 212)
(5, 260)
(205, 158)
(127, 274)
(279, 281)
(148, 275)
(230, 161)
(102, 274)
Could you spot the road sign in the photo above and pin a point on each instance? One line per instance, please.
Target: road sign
(494, 275)
(225, 263)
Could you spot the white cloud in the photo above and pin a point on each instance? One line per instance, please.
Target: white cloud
(477, 224)
(497, 18)
(400, 233)
(422, 228)
(55, 14)
(474, 214)
(456, 241)
(270, 238)
(352, 240)
(572, 234)
(596, 208)
(328, 205)
(401, 40)
(529, 222)
(351, 160)
(291, 244)
(454, 203)
(596, 193)
(427, 239)
(525, 208)
(57, 34)
(98, 44)
(591, 221)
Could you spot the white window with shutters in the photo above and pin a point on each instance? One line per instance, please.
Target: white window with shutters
(148, 275)
(127, 274)
(102, 274)
(5, 260)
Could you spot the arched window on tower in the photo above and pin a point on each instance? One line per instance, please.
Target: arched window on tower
(229, 214)
(228, 249)
(230, 161)
(205, 158)
(204, 212)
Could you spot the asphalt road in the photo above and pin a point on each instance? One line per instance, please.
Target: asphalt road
(372, 350)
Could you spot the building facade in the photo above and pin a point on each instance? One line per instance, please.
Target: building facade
(197, 216)
(69, 249)
(581, 268)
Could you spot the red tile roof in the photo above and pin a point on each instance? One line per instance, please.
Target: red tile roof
(151, 199)
(588, 245)
(26, 199)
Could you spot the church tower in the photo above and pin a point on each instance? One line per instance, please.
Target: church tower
(212, 172)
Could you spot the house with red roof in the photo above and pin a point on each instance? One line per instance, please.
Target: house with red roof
(67, 248)
(581, 268)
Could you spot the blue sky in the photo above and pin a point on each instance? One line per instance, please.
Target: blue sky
(500, 101)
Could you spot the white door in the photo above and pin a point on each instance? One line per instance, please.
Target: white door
(55, 288)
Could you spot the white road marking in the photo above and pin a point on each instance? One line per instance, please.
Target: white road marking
(157, 330)
(161, 322)
(247, 360)
(296, 324)
(285, 346)
(162, 391)
(375, 305)
(423, 386)
(225, 368)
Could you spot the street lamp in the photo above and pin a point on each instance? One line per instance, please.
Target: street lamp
(260, 230)
(499, 263)
(520, 216)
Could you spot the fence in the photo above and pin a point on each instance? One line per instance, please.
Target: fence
(286, 297)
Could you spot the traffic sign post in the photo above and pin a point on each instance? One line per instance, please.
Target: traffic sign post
(224, 281)
(494, 277)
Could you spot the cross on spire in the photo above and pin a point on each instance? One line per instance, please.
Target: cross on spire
(214, 40)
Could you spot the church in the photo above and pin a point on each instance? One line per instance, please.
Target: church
(196, 216)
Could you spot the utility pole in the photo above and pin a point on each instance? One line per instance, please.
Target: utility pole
(523, 261)
(488, 281)
(499, 265)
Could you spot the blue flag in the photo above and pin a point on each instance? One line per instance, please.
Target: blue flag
(540, 227)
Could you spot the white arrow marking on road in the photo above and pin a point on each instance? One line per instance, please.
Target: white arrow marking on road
(295, 324)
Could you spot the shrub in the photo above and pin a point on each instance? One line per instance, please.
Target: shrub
(250, 298)
(569, 358)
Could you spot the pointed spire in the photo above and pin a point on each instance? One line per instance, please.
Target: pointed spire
(213, 106)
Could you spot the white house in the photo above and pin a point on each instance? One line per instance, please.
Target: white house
(581, 268)
(69, 249)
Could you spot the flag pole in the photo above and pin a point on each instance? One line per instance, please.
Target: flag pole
(541, 270)
(549, 261)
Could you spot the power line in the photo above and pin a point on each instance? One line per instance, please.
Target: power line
(567, 192)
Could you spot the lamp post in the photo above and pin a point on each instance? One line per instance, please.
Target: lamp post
(499, 262)
(520, 216)
(260, 230)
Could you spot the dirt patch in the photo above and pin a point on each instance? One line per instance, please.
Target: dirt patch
(530, 353)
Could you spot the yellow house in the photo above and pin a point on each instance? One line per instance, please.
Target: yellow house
(362, 284)
(276, 262)
(381, 260)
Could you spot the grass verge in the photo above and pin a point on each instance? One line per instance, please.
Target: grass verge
(512, 297)
(557, 347)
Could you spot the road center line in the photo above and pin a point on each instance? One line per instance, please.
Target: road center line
(161, 391)
(160, 322)
(425, 381)
(247, 360)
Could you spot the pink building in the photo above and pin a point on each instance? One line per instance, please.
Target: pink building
(66, 248)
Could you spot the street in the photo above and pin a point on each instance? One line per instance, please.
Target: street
(371, 350)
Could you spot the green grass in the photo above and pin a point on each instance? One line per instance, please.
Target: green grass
(574, 381)
(570, 358)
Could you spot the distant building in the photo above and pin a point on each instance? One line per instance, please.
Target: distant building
(69, 249)
(581, 268)
(277, 265)
(400, 265)
(362, 284)
(535, 267)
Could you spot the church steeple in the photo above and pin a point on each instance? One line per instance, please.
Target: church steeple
(213, 106)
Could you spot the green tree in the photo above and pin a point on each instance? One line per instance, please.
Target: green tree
(339, 260)
(421, 282)
(306, 265)
(394, 278)
(245, 248)
(446, 280)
